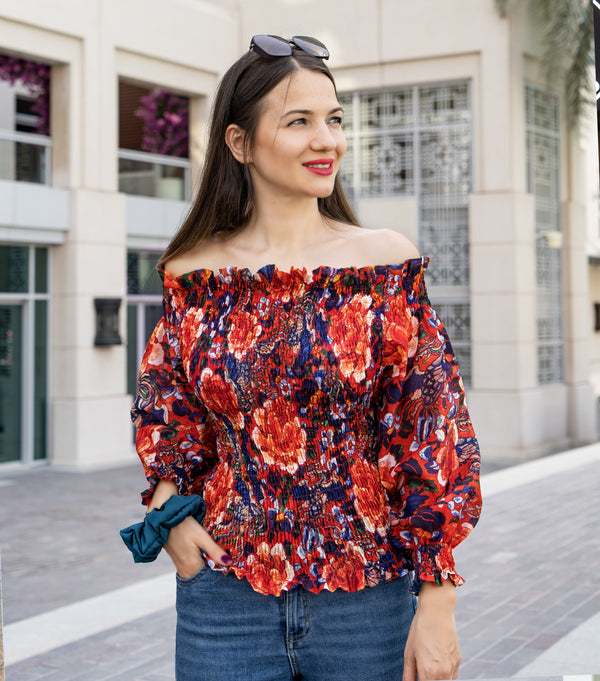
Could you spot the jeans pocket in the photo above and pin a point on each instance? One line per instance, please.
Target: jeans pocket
(188, 581)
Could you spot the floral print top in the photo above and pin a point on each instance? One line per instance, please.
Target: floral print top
(321, 415)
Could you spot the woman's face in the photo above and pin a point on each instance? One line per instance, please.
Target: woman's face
(299, 141)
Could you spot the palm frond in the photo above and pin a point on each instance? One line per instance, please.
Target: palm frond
(579, 80)
(568, 33)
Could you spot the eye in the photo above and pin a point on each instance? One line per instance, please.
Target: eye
(336, 120)
(298, 121)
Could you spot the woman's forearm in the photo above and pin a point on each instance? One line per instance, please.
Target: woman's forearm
(439, 598)
(432, 649)
(164, 490)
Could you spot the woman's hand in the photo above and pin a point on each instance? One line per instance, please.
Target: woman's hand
(187, 539)
(185, 542)
(432, 650)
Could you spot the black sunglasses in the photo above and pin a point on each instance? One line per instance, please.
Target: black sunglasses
(275, 46)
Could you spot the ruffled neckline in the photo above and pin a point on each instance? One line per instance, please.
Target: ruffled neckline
(272, 274)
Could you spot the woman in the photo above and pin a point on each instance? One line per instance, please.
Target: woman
(300, 382)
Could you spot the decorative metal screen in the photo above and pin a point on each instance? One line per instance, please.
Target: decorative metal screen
(445, 170)
(416, 141)
(543, 140)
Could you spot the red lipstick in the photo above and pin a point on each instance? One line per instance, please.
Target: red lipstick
(320, 166)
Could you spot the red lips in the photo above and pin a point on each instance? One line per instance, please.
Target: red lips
(320, 166)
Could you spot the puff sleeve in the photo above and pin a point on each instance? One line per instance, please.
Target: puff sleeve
(174, 438)
(429, 456)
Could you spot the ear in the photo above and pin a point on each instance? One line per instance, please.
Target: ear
(235, 139)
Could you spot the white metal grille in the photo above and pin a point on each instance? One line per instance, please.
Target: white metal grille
(416, 141)
(444, 105)
(543, 164)
(385, 110)
(386, 165)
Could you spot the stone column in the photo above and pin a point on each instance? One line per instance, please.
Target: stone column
(505, 400)
(90, 423)
(577, 326)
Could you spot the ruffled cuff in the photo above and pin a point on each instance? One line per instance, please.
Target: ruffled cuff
(146, 539)
(163, 473)
(434, 563)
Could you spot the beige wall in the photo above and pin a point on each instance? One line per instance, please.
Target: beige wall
(185, 45)
(176, 44)
(594, 277)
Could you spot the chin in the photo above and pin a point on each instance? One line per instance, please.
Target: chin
(324, 192)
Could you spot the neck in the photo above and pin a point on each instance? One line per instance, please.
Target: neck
(284, 226)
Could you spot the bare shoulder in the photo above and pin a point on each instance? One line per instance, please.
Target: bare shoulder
(203, 256)
(387, 247)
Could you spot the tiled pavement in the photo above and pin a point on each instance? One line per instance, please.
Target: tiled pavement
(530, 566)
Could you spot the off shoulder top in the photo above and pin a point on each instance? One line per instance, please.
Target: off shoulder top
(321, 415)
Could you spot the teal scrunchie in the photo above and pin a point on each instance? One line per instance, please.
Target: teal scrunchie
(146, 539)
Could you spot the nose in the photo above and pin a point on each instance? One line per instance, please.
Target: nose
(323, 138)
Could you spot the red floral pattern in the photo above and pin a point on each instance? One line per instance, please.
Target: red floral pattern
(321, 415)
(279, 436)
(350, 332)
(244, 330)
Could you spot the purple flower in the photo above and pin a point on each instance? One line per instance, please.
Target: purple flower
(35, 77)
(166, 120)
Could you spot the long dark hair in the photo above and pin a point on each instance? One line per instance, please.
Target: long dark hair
(224, 200)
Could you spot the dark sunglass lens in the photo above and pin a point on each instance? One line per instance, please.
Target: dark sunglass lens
(311, 45)
(271, 46)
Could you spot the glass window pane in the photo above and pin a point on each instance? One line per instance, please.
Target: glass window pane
(142, 277)
(41, 270)
(152, 315)
(40, 388)
(132, 363)
(23, 161)
(152, 179)
(14, 269)
(11, 381)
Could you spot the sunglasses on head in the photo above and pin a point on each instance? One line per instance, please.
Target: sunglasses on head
(275, 46)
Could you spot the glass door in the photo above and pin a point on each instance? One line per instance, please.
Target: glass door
(24, 301)
(11, 381)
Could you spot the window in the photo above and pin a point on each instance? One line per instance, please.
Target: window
(25, 144)
(543, 164)
(417, 141)
(26, 119)
(23, 353)
(144, 308)
(153, 142)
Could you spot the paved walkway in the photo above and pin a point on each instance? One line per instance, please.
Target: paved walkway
(76, 608)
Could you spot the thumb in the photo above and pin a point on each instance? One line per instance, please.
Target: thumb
(410, 666)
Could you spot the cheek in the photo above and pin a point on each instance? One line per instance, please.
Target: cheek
(342, 144)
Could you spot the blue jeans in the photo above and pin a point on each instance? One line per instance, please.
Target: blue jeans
(226, 631)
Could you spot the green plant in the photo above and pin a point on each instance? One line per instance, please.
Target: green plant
(35, 77)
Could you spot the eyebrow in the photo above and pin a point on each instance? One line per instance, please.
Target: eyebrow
(308, 112)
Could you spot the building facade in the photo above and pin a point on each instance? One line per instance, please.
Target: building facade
(455, 139)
